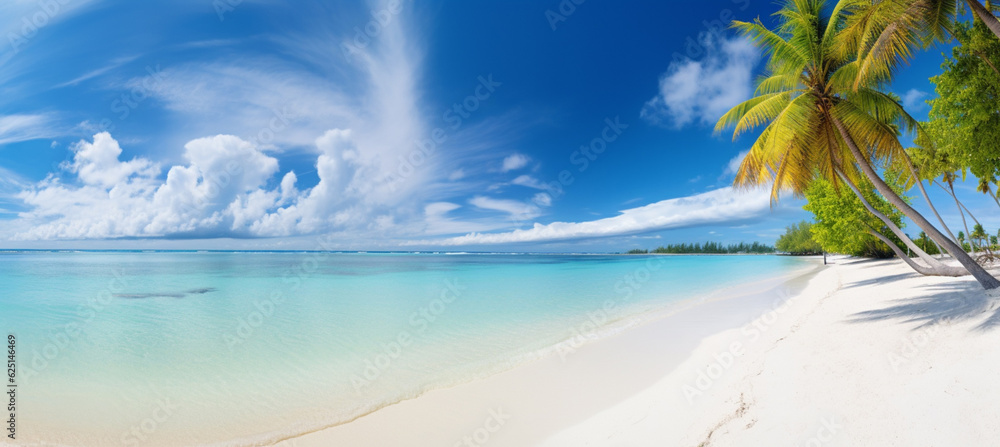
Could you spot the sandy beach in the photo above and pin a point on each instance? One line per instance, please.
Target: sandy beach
(854, 357)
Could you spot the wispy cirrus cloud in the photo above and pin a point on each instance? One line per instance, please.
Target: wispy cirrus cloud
(24, 127)
(720, 206)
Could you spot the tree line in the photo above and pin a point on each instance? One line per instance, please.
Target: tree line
(707, 248)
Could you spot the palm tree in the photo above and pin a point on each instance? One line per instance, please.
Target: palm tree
(985, 14)
(886, 32)
(961, 239)
(922, 240)
(978, 235)
(819, 122)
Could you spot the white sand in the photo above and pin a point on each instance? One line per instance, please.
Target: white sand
(888, 359)
(867, 354)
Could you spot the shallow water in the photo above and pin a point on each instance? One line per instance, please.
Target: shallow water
(168, 348)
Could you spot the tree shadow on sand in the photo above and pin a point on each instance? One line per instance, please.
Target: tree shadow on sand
(943, 303)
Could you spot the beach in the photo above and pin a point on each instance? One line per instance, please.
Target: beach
(867, 353)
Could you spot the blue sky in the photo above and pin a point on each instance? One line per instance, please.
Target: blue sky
(519, 125)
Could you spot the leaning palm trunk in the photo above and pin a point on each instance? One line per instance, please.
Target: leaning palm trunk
(934, 264)
(965, 223)
(923, 192)
(985, 15)
(985, 279)
(962, 210)
(913, 264)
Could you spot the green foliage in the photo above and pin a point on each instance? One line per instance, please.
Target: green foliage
(810, 96)
(965, 118)
(798, 240)
(708, 248)
(842, 222)
(926, 244)
(978, 235)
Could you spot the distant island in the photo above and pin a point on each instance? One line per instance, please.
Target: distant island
(716, 248)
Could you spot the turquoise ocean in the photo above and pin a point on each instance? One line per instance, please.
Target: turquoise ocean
(245, 348)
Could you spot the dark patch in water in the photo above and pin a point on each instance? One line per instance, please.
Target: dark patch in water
(137, 296)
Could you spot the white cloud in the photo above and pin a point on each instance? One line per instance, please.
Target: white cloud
(913, 100)
(514, 162)
(361, 132)
(97, 163)
(734, 163)
(530, 182)
(701, 91)
(542, 199)
(220, 184)
(723, 205)
(24, 127)
(516, 209)
(116, 63)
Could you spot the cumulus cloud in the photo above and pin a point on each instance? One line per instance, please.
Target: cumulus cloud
(126, 199)
(514, 162)
(701, 91)
(719, 206)
(97, 163)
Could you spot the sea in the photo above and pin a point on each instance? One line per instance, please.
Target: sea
(249, 348)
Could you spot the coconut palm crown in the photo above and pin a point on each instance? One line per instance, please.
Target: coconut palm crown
(807, 89)
(821, 118)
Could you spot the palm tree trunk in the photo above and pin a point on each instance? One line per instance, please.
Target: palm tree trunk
(985, 15)
(933, 263)
(965, 223)
(982, 276)
(986, 59)
(951, 190)
(923, 192)
(913, 264)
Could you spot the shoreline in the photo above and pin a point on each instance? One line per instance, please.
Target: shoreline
(685, 324)
(887, 357)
